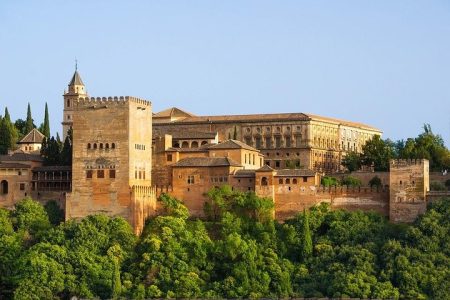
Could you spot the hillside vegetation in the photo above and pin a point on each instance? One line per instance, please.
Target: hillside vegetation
(237, 252)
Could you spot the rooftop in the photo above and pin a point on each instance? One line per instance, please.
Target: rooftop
(33, 137)
(21, 157)
(14, 166)
(76, 79)
(232, 144)
(206, 162)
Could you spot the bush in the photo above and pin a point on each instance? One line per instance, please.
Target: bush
(375, 181)
(437, 186)
(351, 181)
(447, 184)
(329, 181)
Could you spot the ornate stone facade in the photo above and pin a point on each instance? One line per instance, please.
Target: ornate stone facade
(286, 140)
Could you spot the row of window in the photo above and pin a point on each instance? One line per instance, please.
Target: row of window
(269, 129)
(139, 147)
(268, 143)
(101, 146)
(193, 144)
(287, 154)
(100, 173)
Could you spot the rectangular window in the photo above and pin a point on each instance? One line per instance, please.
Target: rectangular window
(288, 142)
(268, 142)
(258, 142)
(305, 179)
(277, 164)
(100, 174)
(278, 142)
(22, 186)
(169, 157)
(190, 179)
(298, 141)
(89, 174)
(248, 141)
(112, 173)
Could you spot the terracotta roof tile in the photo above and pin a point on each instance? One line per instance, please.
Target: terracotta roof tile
(206, 162)
(14, 166)
(33, 137)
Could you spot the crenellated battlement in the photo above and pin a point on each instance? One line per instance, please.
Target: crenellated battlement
(88, 102)
(398, 163)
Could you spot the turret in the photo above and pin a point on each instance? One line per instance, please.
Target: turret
(76, 90)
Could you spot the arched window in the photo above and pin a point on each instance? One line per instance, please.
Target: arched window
(4, 187)
(107, 146)
(89, 146)
(264, 181)
(185, 145)
(95, 145)
(288, 181)
(294, 181)
(194, 144)
(204, 143)
(68, 103)
(280, 181)
(113, 146)
(101, 145)
(176, 145)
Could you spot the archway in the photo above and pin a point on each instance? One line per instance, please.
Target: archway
(264, 181)
(4, 187)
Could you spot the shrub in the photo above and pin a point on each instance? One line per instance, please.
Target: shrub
(351, 181)
(447, 184)
(437, 186)
(375, 181)
(329, 181)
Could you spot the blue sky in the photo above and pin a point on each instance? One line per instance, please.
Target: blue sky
(384, 63)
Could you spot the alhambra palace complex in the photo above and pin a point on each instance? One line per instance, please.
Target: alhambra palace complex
(124, 157)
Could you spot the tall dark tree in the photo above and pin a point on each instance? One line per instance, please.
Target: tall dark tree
(46, 127)
(29, 122)
(307, 246)
(8, 134)
(235, 133)
(66, 152)
(51, 152)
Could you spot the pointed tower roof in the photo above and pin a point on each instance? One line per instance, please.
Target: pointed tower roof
(76, 79)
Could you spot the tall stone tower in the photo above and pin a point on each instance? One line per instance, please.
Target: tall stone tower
(76, 90)
(112, 158)
(409, 183)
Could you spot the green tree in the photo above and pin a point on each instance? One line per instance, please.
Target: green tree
(351, 181)
(307, 246)
(235, 133)
(46, 127)
(352, 161)
(29, 122)
(375, 181)
(377, 153)
(8, 134)
(329, 181)
(31, 216)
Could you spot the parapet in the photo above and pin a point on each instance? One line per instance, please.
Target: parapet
(92, 102)
(399, 163)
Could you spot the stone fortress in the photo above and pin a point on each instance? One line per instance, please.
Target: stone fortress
(124, 157)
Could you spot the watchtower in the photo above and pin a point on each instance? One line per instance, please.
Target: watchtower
(408, 183)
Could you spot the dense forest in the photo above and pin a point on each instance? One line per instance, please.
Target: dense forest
(237, 251)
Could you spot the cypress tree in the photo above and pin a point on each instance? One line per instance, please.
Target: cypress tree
(66, 152)
(235, 133)
(307, 246)
(8, 134)
(46, 123)
(29, 123)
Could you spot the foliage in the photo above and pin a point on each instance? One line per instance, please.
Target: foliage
(447, 183)
(351, 181)
(29, 125)
(437, 186)
(375, 181)
(377, 153)
(352, 161)
(318, 253)
(8, 134)
(46, 126)
(329, 181)
(54, 212)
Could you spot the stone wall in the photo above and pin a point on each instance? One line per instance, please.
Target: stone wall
(408, 181)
